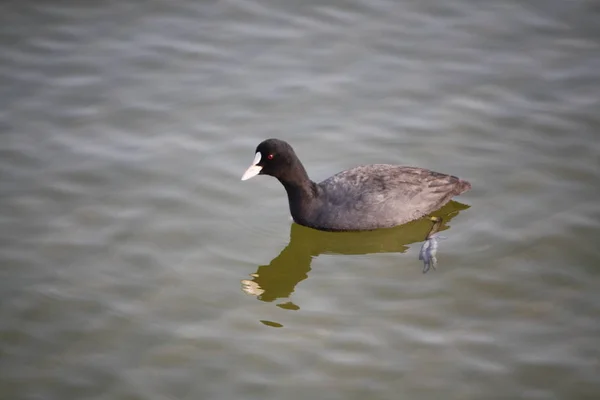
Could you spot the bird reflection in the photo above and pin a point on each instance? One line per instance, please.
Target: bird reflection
(279, 278)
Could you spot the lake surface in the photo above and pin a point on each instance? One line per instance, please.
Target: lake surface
(135, 264)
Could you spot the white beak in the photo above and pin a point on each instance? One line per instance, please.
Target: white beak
(254, 169)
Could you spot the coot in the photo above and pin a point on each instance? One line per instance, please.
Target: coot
(363, 198)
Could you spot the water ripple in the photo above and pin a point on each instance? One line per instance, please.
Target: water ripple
(126, 229)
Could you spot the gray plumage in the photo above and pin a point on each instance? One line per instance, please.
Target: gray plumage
(362, 198)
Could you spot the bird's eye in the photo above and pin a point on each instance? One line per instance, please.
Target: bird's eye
(270, 156)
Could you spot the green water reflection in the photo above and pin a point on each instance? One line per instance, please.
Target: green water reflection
(279, 278)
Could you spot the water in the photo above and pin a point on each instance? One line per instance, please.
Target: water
(136, 265)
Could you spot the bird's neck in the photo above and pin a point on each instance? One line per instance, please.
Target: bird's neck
(301, 192)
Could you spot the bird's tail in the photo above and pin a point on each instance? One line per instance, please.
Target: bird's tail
(463, 186)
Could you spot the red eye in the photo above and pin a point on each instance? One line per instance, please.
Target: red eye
(270, 156)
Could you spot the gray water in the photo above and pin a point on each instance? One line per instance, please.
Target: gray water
(136, 265)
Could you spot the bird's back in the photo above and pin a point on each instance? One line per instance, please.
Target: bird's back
(381, 196)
